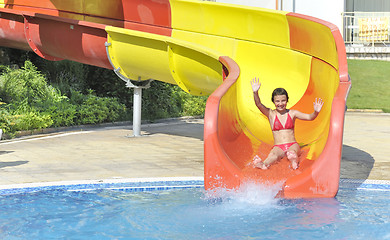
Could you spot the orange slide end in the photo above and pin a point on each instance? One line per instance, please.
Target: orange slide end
(230, 142)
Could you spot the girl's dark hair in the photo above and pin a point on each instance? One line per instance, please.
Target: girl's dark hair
(279, 91)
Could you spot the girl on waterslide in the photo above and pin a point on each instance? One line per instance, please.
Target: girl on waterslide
(282, 121)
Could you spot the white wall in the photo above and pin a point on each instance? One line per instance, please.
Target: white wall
(328, 10)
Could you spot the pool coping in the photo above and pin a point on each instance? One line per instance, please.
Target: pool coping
(151, 184)
(366, 184)
(123, 184)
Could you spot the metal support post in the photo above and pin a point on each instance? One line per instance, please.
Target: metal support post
(137, 103)
(294, 6)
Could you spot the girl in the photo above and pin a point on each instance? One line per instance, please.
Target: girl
(282, 124)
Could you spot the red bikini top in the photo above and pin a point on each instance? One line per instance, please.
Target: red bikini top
(278, 125)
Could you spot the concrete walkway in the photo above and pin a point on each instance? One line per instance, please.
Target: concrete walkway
(366, 146)
(170, 149)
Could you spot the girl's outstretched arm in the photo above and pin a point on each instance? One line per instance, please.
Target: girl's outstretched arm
(317, 105)
(255, 88)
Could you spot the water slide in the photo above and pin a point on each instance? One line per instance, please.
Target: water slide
(213, 49)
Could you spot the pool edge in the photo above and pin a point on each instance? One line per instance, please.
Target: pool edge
(149, 184)
(137, 184)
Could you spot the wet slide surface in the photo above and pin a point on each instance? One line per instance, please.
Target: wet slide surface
(211, 49)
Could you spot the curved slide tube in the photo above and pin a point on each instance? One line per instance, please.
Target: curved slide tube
(209, 48)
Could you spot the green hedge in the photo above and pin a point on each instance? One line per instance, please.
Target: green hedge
(161, 100)
(29, 102)
(61, 95)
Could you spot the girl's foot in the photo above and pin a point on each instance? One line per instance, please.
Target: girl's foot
(292, 156)
(258, 163)
(294, 165)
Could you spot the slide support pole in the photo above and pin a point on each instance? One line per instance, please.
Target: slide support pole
(137, 103)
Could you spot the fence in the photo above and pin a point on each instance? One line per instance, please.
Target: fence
(366, 28)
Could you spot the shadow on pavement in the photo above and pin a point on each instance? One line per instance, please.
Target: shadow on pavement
(192, 130)
(5, 152)
(355, 163)
(12, 164)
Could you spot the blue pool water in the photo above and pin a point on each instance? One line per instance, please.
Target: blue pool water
(360, 211)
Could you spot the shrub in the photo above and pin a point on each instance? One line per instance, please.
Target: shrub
(5, 120)
(30, 103)
(191, 105)
(26, 85)
(29, 120)
(65, 75)
(63, 113)
(160, 101)
(23, 118)
(92, 109)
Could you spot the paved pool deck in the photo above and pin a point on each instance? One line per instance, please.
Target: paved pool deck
(171, 148)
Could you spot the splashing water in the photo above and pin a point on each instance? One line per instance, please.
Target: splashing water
(249, 195)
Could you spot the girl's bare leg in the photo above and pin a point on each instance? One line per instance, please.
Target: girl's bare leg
(275, 154)
(292, 156)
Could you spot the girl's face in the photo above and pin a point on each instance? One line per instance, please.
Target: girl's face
(280, 102)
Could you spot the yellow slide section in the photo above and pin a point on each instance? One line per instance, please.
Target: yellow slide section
(141, 56)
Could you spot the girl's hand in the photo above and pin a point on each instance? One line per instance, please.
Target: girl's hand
(255, 84)
(318, 103)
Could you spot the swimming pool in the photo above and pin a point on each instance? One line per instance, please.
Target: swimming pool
(181, 209)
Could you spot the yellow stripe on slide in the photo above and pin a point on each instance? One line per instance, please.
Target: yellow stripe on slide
(141, 56)
(227, 20)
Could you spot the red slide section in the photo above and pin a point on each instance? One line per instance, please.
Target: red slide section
(74, 30)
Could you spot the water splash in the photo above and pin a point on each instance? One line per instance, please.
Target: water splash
(249, 195)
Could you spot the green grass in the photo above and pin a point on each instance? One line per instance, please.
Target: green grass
(370, 85)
